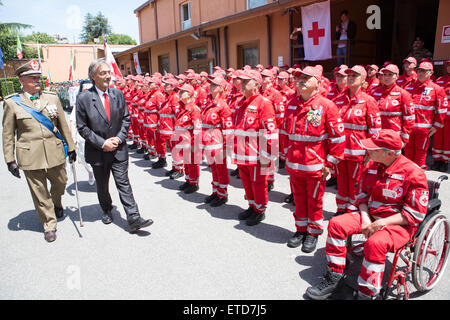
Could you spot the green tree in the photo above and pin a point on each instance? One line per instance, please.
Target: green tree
(9, 47)
(115, 38)
(95, 27)
(11, 28)
(40, 37)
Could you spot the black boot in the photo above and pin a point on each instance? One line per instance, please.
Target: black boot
(436, 165)
(296, 240)
(176, 175)
(183, 186)
(244, 215)
(325, 288)
(255, 218)
(309, 244)
(169, 173)
(234, 172)
(141, 150)
(217, 202)
(210, 198)
(133, 146)
(191, 188)
(161, 163)
(331, 182)
(444, 167)
(270, 187)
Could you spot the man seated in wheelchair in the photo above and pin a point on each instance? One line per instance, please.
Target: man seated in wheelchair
(392, 202)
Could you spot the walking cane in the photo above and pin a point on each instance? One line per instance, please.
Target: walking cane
(76, 192)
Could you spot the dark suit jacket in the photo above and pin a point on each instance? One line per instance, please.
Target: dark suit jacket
(351, 32)
(94, 127)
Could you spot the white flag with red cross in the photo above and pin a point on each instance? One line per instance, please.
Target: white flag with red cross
(115, 72)
(137, 65)
(316, 27)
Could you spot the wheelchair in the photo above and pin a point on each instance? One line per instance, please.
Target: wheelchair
(425, 255)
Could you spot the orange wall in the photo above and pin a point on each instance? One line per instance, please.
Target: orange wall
(442, 50)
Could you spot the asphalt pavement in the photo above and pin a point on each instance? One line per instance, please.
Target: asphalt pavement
(192, 251)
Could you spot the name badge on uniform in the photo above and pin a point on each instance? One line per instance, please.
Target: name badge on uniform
(252, 109)
(389, 193)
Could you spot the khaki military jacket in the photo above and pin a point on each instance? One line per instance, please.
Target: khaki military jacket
(33, 144)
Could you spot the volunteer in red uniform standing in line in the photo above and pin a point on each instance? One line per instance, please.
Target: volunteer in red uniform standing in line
(201, 94)
(315, 142)
(372, 81)
(441, 147)
(409, 75)
(361, 118)
(217, 130)
(129, 95)
(395, 104)
(430, 105)
(167, 114)
(255, 145)
(287, 93)
(232, 100)
(269, 92)
(392, 202)
(187, 137)
(154, 101)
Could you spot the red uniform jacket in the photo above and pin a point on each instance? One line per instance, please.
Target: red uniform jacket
(444, 82)
(400, 188)
(315, 135)
(396, 109)
(255, 131)
(361, 119)
(167, 115)
(405, 80)
(430, 105)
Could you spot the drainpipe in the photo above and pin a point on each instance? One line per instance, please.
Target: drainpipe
(176, 55)
(225, 46)
(269, 41)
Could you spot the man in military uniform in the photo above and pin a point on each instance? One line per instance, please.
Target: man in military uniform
(40, 123)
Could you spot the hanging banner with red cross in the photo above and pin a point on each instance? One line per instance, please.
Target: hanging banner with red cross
(316, 27)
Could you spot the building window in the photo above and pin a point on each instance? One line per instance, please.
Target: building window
(186, 16)
(248, 54)
(163, 62)
(255, 3)
(122, 67)
(197, 53)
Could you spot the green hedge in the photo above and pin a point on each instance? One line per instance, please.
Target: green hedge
(12, 85)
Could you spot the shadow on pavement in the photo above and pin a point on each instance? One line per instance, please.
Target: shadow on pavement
(266, 232)
(26, 221)
(225, 211)
(83, 186)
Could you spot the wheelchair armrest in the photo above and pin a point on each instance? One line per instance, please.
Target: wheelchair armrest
(433, 205)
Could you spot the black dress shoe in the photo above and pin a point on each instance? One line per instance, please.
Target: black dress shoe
(296, 240)
(161, 163)
(184, 186)
(50, 236)
(191, 188)
(169, 173)
(244, 215)
(59, 212)
(139, 223)
(107, 217)
(331, 182)
(176, 175)
(217, 202)
(210, 198)
(234, 172)
(255, 218)
(309, 245)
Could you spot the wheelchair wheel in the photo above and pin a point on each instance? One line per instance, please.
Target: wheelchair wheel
(431, 253)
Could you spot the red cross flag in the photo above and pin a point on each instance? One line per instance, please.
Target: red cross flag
(316, 27)
(137, 66)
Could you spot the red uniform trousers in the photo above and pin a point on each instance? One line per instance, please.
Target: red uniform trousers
(441, 143)
(191, 168)
(416, 148)
(308, 197)
(221, 180)
(348, 176)
(254, 179)
(134, 124)
(385, 240)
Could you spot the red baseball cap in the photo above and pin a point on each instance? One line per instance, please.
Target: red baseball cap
(218, 81)
(383, 139)
(189, 71)
(194, 76)
(172, 81)
(251, 75)
(267, 73)
(203, 74)
(372, 66)
(309, 71)
(358, 69)
(390, 67)
(410, 60)
(425, 66)
(283, 75)
(188, 88)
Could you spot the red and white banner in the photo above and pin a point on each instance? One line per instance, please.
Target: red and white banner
(137, 66)
(316, 27)
(115, 72)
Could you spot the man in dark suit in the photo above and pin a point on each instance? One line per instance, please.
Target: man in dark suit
(103, 121)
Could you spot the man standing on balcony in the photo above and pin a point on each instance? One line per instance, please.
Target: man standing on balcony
(346, 30)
